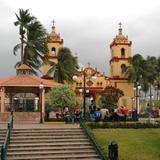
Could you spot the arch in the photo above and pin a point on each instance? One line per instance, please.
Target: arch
(53, 51)
(122, 52)
(123, 68)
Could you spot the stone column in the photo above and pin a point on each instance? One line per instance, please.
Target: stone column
(43, 101)
(2, 94)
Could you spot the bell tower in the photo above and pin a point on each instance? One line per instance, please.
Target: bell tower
(54, 42)
(120, 50)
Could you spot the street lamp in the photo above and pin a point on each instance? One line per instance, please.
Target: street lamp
(84, 90)
(137, 89)
(41, 87)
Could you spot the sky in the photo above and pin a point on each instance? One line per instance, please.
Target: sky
(87, 27)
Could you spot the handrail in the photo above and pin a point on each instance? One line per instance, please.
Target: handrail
(4, 147)
(93, 142)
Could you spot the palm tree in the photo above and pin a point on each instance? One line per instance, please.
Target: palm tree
(66, 66)
(35, 40)
(135, 71)
(23, 20)
(151, 73)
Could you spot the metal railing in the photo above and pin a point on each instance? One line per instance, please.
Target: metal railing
(4, 147)
(92, 141)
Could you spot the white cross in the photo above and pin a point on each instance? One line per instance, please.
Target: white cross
(120, 24)
(53, 21)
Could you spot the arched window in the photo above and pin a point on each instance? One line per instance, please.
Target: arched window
(53, 51)
(122, 52)
(123, 68)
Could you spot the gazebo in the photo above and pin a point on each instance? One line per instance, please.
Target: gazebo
(23, 95)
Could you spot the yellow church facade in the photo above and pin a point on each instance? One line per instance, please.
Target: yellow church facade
(95, 82)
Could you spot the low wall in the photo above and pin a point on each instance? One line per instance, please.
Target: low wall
(4, 117)
(20, 116)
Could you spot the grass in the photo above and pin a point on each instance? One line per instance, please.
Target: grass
(134, 144)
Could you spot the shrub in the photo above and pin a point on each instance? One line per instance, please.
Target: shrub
(136, 125)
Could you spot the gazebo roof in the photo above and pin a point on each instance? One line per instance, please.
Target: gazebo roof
(27, 81)
(24, 67)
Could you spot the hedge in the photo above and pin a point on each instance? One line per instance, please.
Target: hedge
(136, 125)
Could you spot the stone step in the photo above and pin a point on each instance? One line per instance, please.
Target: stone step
(58, 157)
(49, 144)
(47, 141)
(46, 129)
(49, 148)
(48, 134)
(48, 137)
(64, 152)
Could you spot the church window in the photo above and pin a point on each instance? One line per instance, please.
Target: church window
(123, 68)
(122, 52)
(53, 51)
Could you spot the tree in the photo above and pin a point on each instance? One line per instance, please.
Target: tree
(66, 67)
(35, 39)
(61, 97)
(108, 100)
(135, 71)
(23, 21)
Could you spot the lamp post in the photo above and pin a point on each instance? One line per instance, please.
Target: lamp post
(41, 87)
(84, 89)
(84, 92)
(136, 89)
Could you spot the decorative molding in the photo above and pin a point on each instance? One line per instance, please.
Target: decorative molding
(117, 59)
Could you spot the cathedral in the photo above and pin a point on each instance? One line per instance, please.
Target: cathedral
(95, 82)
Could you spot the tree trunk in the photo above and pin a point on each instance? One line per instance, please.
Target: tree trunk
(22, 49)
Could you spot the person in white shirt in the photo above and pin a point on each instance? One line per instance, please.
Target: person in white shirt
(104, 112)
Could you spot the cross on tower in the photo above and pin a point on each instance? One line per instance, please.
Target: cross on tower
(120, 24)
(53, 21)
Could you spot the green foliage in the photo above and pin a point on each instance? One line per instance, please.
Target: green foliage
(108, 100)
(66, 67)
(61, 96)
(135, 125)
(156, 104)
(34, 36)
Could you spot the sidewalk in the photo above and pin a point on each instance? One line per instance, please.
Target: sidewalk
(152, 120)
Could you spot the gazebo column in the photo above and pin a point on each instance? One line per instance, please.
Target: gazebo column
(2, 99)
(43, 101)
(11, 102)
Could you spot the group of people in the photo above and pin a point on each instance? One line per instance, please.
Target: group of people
(103, 114)
(71, 118)
(97, 114)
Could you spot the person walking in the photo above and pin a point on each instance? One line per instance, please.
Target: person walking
(97, 115)
(92, 109)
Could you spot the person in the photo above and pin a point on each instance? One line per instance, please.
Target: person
(124, 112)
(159, 112)
(77, 114)
(68, 118)
(104, 113)
(92, 109)
(149, 112)
(97, 115)
(113, 115)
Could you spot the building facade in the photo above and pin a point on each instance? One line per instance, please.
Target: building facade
(95, 82)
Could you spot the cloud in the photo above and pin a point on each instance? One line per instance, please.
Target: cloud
(87, 26)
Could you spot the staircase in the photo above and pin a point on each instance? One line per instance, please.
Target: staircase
(2, 137)
(48, 143)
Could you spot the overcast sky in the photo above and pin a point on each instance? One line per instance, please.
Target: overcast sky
(87, 27)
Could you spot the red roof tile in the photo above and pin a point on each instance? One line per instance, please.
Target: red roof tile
(27, 81)
(24, 67)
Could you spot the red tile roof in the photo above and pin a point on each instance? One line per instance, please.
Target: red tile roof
(27, 81)
(24, 67)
